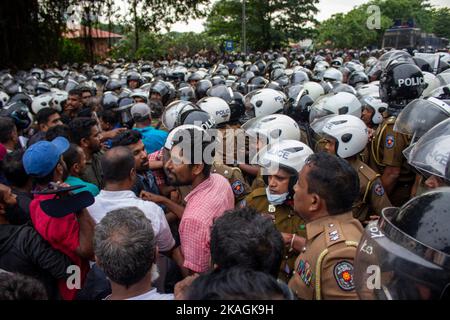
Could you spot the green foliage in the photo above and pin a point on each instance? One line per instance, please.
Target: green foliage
(157, 46)
(441, 22)
(350, 29)
(269, 23)
(71, 51)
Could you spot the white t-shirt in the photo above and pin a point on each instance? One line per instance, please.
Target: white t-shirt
(107, 201)
(151, 295)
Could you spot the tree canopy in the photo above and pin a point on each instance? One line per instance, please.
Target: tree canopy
(269, 23)
(350, 30)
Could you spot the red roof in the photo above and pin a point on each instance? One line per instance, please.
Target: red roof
(81, 32)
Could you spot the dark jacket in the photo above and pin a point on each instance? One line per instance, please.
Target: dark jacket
(24, 251)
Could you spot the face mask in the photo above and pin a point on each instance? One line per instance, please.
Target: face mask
(276, 199)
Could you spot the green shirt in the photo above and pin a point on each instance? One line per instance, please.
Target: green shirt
(74, 181)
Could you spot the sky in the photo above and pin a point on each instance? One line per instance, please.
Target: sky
(326, 9)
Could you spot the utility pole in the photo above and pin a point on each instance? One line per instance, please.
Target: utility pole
(244, 40)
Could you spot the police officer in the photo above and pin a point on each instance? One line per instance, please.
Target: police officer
(405, 254)
(280, 164)
(346, 136)
(324, 195)
(400, 83)
(429, 156)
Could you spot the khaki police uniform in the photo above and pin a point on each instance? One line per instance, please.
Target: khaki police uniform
(386, 150)
(285, 221)
(324, 270)
(234, 175)
(372, 198)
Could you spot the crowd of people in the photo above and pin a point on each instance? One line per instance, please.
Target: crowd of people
(276, 175)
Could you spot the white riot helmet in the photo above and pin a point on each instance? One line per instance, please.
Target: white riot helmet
(59, 99)
(313, 89)
(428, 78)
(377, 106)
(289, 155)
(172, 134)
(335, 103)
(218, 109)
(350, 133)
(332, 75)
(41, 102)
(170, 115)
(139, 93)
(283, 61)
(4, 98)
(275, 127)
(370, 89)
(263, 102)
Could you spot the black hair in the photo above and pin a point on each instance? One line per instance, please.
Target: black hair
(75, 92)
(43, 115)
(126, 138)
(196, 140)
(109, 116)
(15, 286)
(62, 130)
(334, 180)
(80, 128)
(13, 169)
(237, 284)
(6, 129)
(242, 237)
(117, 164)
(72, 156)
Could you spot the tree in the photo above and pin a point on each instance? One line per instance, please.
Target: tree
(153, 15)
(441, 22)
(350, 29)
(269, 23)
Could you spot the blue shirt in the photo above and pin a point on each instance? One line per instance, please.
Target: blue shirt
(74, 181)
(152, 138)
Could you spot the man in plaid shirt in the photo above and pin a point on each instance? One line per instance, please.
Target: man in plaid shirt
(210, 198)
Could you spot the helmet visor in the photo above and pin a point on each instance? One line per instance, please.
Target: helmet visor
(390, 265)
(419, 116)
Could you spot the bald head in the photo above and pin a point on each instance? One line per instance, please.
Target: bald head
(117, 164)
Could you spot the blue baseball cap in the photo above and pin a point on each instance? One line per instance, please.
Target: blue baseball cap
(42, 157)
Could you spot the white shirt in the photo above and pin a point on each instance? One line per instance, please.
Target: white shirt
(151, 295)
(107, 201)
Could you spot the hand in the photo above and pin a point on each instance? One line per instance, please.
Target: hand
(148, 196)
(371, 218)
(111, 134)
(371, 133)
(175, 196)
(287, 238)
(181, 287)
(269, 216)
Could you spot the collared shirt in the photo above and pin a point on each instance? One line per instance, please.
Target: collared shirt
(145, 182)
(209, 200)
(93, 172)
(324, 268)
(152, 138)
(75, 181)
(159, 175)
(107, 201)
(63, 235)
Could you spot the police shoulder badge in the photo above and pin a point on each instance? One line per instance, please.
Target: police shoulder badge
(343, 273)
(238, 187)
(390, 141)
(378, 189)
